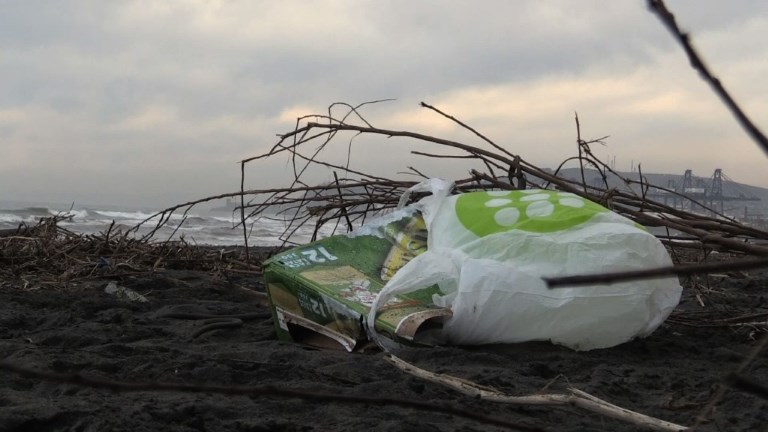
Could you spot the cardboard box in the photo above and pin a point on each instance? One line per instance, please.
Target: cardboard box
(321, 292)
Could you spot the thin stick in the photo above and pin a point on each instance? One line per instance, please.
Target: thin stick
(343, 209)
(579, 145)
(469, 128)
(668, 19)
(576, 398)
(242, 211)
(681, 270)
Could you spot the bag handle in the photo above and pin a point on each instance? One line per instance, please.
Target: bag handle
(438, 187)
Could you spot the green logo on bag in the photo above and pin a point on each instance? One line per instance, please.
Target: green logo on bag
(536, 210)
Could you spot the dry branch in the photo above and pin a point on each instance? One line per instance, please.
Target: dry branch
(681, 270)
(574, 397)
(668, 19)
(50, 254)
(355, 195)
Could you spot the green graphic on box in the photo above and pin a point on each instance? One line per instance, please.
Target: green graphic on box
(327, 287)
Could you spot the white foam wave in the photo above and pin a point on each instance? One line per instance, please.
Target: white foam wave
(191, 228)
(138, 215)
(123, 215)
(77, 214)
(208, 230)
(223, 219)
(10, 218)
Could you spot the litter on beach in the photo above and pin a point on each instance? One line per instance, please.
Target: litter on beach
(468, 269)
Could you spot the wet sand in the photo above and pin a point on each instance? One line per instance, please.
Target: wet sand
(81, 329)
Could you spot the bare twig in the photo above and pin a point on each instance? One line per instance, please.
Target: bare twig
(574, 397)
(681, 270)
(668, 19)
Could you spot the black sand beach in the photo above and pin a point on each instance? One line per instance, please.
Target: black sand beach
(80, 329)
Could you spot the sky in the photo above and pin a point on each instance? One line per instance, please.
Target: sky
(151, 103)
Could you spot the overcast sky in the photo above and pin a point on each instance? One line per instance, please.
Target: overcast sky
(150, 103)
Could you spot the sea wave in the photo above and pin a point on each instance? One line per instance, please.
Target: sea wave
(141, 215)
(204, 229)
(79, 214)
(223, 219)
(137, 215)
(10, 218)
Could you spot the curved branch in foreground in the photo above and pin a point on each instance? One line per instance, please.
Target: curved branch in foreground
(575, 398)
(668, 19)
(680, 270)
(259, 391)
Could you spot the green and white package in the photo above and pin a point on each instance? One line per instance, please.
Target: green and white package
(488, 252)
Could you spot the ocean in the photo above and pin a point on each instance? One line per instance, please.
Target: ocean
(201, 226)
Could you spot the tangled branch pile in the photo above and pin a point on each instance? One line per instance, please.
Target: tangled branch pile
(49, 254)
(350, 199)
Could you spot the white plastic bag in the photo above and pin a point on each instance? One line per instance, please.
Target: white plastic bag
(488, 252)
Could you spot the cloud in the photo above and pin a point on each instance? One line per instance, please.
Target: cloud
(151, 102)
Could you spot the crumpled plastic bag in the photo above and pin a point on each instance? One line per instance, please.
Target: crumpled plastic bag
(488, 252)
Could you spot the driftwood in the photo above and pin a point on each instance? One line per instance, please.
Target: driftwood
(363, 195)
(668, 19)
(680, 270)
(573, 397)
(355, 195)
(48, 254)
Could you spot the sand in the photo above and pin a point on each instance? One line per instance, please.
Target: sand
(81, 329)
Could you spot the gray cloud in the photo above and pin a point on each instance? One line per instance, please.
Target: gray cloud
(150, 103)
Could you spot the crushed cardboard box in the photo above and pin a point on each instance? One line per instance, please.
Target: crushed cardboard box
(321, 292)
